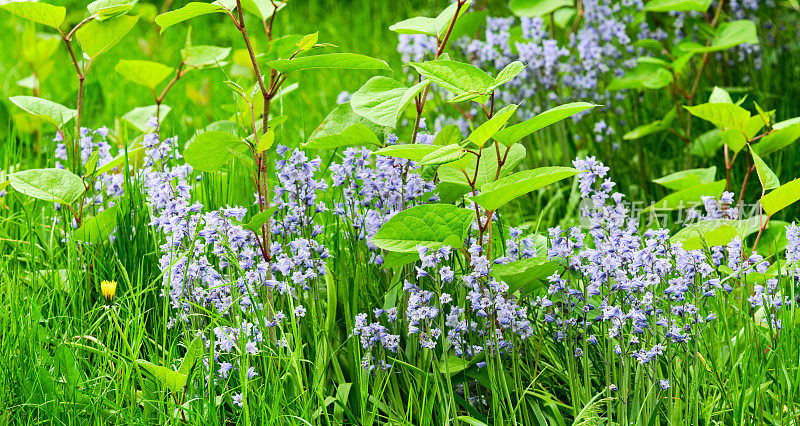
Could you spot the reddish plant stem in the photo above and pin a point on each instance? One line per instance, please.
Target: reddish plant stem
(420, 100)
(159, 99)
(750, 169)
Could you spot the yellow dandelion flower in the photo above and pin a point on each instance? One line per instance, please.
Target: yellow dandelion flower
(109, 289)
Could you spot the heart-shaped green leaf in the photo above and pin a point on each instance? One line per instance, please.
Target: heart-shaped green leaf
(54, 185)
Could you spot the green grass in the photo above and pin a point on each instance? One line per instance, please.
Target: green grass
(67, 357)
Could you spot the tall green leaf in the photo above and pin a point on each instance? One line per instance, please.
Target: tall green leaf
(264, 9)
(193, 353)
(507, 74)
(642, 76)
(777, 140)
(444, 154)
(413, 152)
(173, 380)
(644, 130)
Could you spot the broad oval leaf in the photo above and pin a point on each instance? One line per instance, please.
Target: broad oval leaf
(343, 127)
(777, 140)
(730, 34)
(430, 26)
(383, 99)
(173, 380)
(56, 114)
(507, 74)
(193, 353)
(721, 115)
(487, 168)
(413, 152)
(782, 197)
(145, 73)
(488, 129)
(139, 116)
(211, 150)
(516, 132)
(766, 176)
(203, 56)
(642, 76)
(448, 135)
(97, 37)
(456, 77)
(107, 9)
(532, 8)
(687, 197)
(496, 194)
(191, 10)
(444, 154)
(677, 5)
(429, 225)
(720, 96)
(97, 228)
(260, 219)
(522, 274)
(707, 233)
(707, 144)
(264, 9)
(39, 12)
(352, 61)
(644, 130)
(687, 178)
(54, 185)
